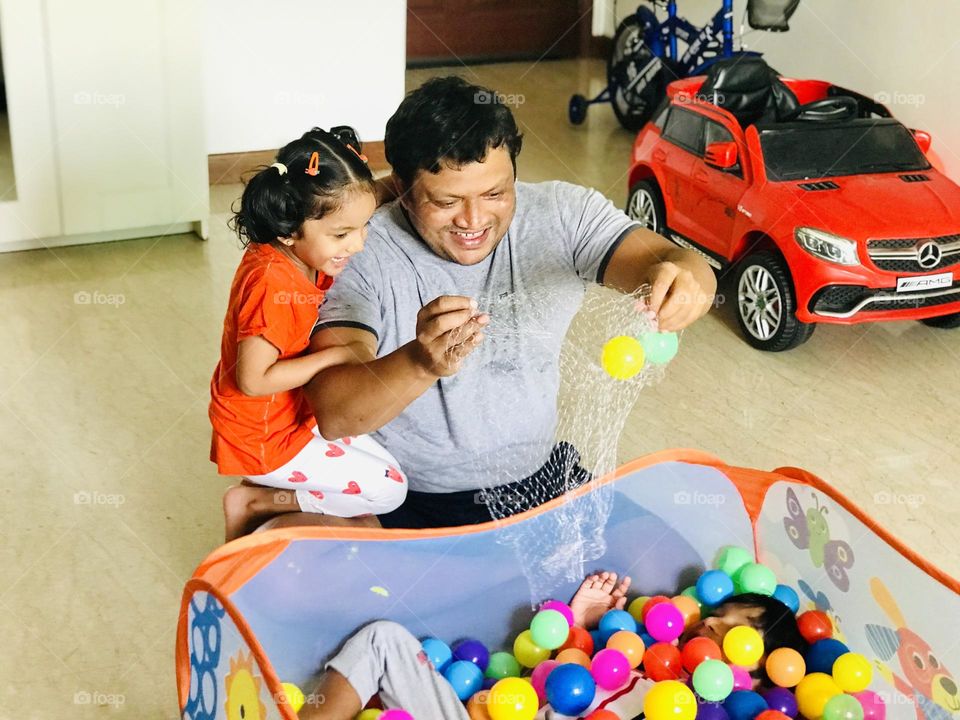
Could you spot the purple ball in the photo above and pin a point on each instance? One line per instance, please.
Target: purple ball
(560, 607)
(489, 683)
(711, 711)
(781, 699)
(472, 651)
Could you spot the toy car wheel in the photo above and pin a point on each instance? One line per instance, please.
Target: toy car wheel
(944, 322)
(645, 205)
(767, 306)
(577, 109)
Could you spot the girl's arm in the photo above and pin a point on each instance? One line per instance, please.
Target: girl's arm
(259, 372)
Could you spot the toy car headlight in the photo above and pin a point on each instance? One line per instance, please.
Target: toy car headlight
(827, 246)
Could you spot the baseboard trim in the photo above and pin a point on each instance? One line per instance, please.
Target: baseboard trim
(230, 168)
(197, 227)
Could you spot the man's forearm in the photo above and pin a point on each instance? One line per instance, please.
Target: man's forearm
(698, 267)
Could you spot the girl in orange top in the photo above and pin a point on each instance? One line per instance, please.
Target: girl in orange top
(301, 220)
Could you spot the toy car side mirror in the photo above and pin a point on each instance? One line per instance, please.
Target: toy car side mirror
(924, 140)
(721, 155)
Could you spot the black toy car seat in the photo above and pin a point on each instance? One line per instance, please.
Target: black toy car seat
(750, 90)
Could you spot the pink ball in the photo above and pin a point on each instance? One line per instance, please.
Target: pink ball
(664, 622)
(610, 668)
(560, 607)
(396, 714)
(741, 678)
(539, 677)
(873, 706)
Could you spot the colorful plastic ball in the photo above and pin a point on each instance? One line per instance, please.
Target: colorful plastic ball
(823, 654)
(743, 645)
(629, 644)
(660, 347)
(785, 667)
(610, 668)
(781, 700)
(635, 608)
(755, 578)
(549, 629)
(465, 677)
(622, 357)
(570, 689)
(731, 558)
(293, 696)
(788, 596)
(647, 638)
(874, 708)
(396, 714)
(580, 639)
(772, 715)
(813, 692)
(573, 656)
(599, 639)
(560, 607)
(538, 678)
(662, 661)
(843, 707)
(527, 652)
(741, 678)
(670, 700)
(691, 592)
(698, 649)
(488, 682)
(714, 586)
(814, 625)
(603, 714)
(438, 652)
(477, 705)
(689, 608)
(744, 705)
(472, 651)
(502, 665)
(711, 711)
(370, 714)
(664, 622)
(650, 604)
(853, 672)
(513, 699)
(614, 621)
(713, 680)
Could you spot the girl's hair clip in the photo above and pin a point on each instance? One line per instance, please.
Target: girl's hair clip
(313, 168)
(281, 168)
(362, 157)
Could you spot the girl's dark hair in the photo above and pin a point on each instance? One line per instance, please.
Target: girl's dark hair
(276, 204)
(448, 120)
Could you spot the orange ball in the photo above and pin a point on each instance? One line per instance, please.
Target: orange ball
(573, 655)
(630, 644)
(477, 706)
(603, 714)
(580, 639)
(688, 607)
(786, 667)
(655, 600)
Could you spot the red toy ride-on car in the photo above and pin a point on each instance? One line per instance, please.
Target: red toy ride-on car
(825, 206)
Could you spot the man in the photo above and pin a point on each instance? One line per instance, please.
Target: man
(462, 229)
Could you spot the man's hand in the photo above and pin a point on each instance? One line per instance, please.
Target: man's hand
(448, 330)
(677, 296)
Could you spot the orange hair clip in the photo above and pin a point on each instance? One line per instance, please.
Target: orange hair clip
(362, 157)
(314, 167)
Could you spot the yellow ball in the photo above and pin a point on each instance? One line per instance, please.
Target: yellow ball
(622, 357)
(294, 696)
(369, 714)
(813, 693)
(527, 652)
(743, 645)
(513, 699)
(636, 607)
(670, 700)
(852, 672)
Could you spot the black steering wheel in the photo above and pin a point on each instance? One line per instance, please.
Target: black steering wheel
(829, 109)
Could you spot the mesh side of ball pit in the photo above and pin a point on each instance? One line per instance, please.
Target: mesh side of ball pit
(295, 594)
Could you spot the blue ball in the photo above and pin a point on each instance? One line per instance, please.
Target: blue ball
(472, 651)
(599, 639)
(465, 677)
(438, 652)
(615, 621)
(570, 689)
(822, 654)
(714, 586)
(788, 596)
(647, 639)
(744, 705)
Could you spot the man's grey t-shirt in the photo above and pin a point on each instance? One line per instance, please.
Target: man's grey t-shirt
(492, 422)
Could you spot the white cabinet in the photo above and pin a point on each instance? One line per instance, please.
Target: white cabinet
(106, 120)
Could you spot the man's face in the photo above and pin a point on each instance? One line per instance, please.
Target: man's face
(462, 213)
(722, 621)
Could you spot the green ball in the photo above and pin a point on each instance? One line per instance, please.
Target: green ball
(731, 558)
(502, 665)
(755, 578)
(713, 680)
(691, 592)
(549, 629)
(660, 347)
(843, 707)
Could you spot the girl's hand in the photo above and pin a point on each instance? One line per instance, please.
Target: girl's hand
(598, 594)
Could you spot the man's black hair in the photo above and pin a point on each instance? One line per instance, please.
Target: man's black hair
(776, 622)
(448, 121)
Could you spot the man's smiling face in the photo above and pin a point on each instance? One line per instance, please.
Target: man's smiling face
(462, 213)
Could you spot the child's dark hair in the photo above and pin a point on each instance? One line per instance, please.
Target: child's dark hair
(776, 622)
(278, 200)
(448, 120)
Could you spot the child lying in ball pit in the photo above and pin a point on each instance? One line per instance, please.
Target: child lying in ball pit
(384, 658)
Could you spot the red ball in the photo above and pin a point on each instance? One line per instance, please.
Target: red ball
(579, 639)
(772, 715)
(814, 625)
(655, 600)
(603, 715)
(697, 650)
(662, 661)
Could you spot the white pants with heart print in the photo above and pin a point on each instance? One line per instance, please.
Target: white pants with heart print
(348, 477)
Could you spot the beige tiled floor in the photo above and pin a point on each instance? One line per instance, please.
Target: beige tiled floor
(109, 502)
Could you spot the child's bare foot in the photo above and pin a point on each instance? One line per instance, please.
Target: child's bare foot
(244, 506)
(596, 595)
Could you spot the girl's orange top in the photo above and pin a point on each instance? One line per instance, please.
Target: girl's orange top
(272, 298)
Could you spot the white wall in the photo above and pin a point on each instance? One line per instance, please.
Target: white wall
(275, 69)
(904, 53)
